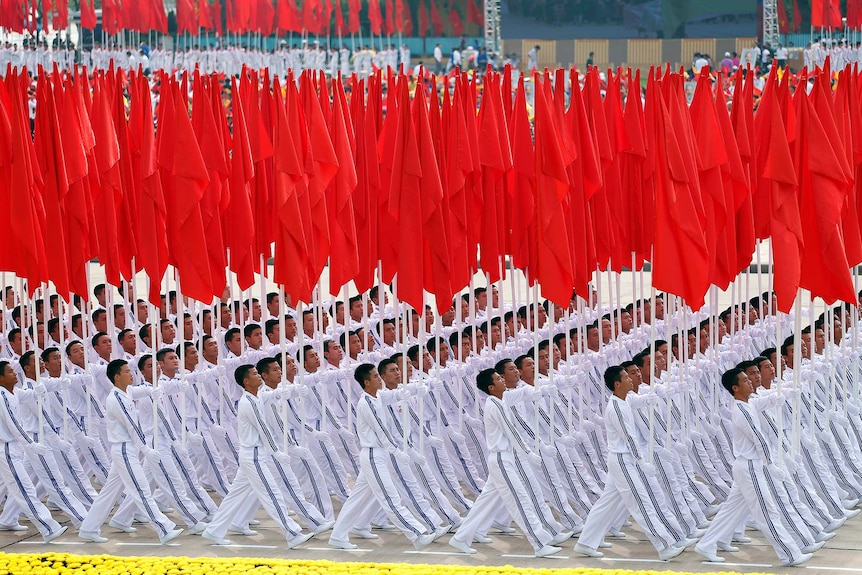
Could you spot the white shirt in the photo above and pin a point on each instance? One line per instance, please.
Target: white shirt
(11, 429)
(251, 427)
(370, 420)
(748, 439)
(620, 427)
(500, 433)
(122, 420)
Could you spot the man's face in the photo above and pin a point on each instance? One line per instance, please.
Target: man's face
(442, 353)
(356, 311)
(354, 346)
(188, 329)
(703, 341)
(496, 335)
(312, 361)
(142, 312)
(255, 311)
(819, 340)
(593, 338)
(374, 383)
(191, 357)
(272, 376)
(389, 334)
(335, 353)
(10, 378)
(169, 332)
(147, 370)
(211, 349)
(392, 375)
(606, 331)
(482, 300)
(635, 375)
(339, 313)
(753, 374)
(234, 345)
(125, 377)
(291, 366)
(120, 318)
(625, 322)
(253, 380)
(255, 339)
(170, 362)
(76, 354)
(449, 317)
(130, 342)
(511, 374)
(624, 385)
(528, 369)
(743, 388)
(274, 306)
(224, 316)
(659, 308)
(54, 364)
(290, 328)
(104, 347)
(101, 322)
(660, 362)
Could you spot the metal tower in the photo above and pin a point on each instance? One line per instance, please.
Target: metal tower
(492, 26)
(771, 36)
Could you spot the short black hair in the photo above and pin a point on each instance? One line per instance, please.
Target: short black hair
(229, 334)
(24, 361)
(46, 353)
(249, 329)
(143, 361)
(114, 369)
(70, 344)
(613, 374)
(500, 366)
(160, 355)
(730, 378)
(363, 373)
(263, 366)
(485, 379)
(241, 374)
(519, 361)
(97, 337)
(384, 363)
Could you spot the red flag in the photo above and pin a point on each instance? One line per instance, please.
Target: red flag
(152, 211)
(184, 179)
(290, 267)
(344, 256)
(825, 176)
(681, 260)
(554, 269)
(399, 15)
(324, 166)
(213, 152)
(390, 18)
(61, 18)
(53, 166)
(238, 222)
(405, 203)
(261, 154)
(187, 20)
(779, 184)
(353, 8)
(456, 22)
(435, 248)
(826, 13)
(387, 227)
(423, 19)
(522, 187)
(797, 16)
(25, 246)
(339, 19)
(474, 15)
(783, 20)
(88, 14)
(375, 18)
(854, 13)
(436, 21)
(366, 195)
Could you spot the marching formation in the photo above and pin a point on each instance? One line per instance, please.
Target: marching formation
(561, 421)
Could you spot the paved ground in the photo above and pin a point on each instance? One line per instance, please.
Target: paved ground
(843, 554)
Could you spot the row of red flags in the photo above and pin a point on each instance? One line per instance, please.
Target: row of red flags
(430, 188)
(320, 17)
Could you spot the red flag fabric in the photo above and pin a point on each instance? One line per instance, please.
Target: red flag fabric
(238, 221)
(340, 29)
(187, 20)
(344, 256)
(456, 22)
(52, 163)
(375, 18)
(390, 18)
(353, 8)
(88, 14)
(290, 267)
(824, 175)
(854, 13)
(405, 203)
(436, 20)
(422, 12)
(61, 17)
(399, 15)
(797, 16)
(779, 184)
(554, 269)
(825, 13)
(366, 195)
(184, 179)
(474, 15)
(783, 19)
(522, 187)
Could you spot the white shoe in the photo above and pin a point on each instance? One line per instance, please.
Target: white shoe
(588, 551)
(548, 550)
(384, 526)
(823, 536)
(166, 510)
(813, 548)
(483, 540)
(139, 518)
(170, 536)
(835, 525)
(561, 538)
(242, 531)
(697, 534)
(198, 528)
(615, 534)
(323, 527)
(711, 511)
(849, 503)
(57, 533)
(685, 543)
(339, 544)
(92, 536)
(704, 525)
(120, 527)
(741, 539)
(456, 525)
(16, 527)
(799, 560)
(364, 533)
(216, 540)
(441, 531)
(461, 546)
(711, 557)
(299, 540)
(423, 540)
(852, 513)
(726, 547)
(502, 528)
(670, 552)
(605, 545)
(253, 522)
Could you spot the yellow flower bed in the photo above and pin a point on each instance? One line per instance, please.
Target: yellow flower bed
(68, 564)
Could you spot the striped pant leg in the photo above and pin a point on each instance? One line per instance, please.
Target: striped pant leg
(328, 460)
(292, 491)
(412, 495)
(375, 465)
(441, 467)
(606, 511)
(484, 511)
(308, 473)
(764, 509)
(264, 486)
(462, 463)
(170, 480)
(234, 504)
(20, 489)
(516, 488)
(731, 513)
(434, 493)
(359, 509)
(194, 489)
(46, 469)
